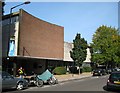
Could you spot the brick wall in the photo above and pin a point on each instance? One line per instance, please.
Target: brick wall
(40, 38)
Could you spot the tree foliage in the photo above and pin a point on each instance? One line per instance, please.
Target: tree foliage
(106, 46)
(79, 52)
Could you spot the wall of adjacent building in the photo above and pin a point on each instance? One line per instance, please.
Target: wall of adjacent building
(9, 32)
(67, 48)
(4, 40)
(88, 57)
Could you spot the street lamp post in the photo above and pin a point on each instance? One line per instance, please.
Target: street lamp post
(10, 23)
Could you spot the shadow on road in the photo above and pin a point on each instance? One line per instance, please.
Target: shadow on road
(10, 90)
(111, 90)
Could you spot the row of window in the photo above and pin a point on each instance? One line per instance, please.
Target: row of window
(13, 20)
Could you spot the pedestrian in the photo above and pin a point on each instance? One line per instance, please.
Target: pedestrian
(21, 72)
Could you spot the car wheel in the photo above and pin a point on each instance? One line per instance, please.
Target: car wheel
(39, 83)
(107, 88)
(20, 86)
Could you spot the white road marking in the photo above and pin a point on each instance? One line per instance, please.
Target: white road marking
(45, 86)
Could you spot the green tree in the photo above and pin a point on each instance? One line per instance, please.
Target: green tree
(106, 45)
(79, 52)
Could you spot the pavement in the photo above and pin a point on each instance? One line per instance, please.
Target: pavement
(69, 77)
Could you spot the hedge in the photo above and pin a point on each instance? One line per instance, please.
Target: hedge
(86, 69)
(59, 70)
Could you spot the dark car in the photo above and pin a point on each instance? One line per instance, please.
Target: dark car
(99, 72)
(110, 70)
(8, 81)
(114, 80)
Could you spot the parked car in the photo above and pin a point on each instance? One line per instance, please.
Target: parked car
(8, 81)
(99, 72)
(117, 69)
(110, 70)
(114, 80)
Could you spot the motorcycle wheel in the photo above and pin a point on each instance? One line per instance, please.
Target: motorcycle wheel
(51, 82)
(39, 83)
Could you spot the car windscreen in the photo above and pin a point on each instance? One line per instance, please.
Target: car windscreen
(115, 75)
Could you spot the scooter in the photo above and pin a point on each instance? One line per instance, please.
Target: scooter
(45, 77)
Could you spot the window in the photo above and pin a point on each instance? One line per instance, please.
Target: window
(117, 75)
(13, 20)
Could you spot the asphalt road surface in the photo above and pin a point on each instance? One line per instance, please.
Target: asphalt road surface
(96, 83)
(89, 84)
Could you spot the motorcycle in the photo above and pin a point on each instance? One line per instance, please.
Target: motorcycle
(45, 77)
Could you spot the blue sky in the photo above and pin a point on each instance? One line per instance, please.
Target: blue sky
(75, 17)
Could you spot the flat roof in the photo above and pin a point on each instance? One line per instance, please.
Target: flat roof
(35, 57)
(8, 15)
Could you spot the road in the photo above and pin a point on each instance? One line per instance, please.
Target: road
(88, 84)
(97, 83)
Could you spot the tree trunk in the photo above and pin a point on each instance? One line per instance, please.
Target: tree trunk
(79, 70)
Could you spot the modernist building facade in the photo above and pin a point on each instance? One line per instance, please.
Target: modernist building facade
(33, 43)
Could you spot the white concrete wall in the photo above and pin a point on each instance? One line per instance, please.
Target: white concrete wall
(67, 48)
(88, 57)
(16, 37)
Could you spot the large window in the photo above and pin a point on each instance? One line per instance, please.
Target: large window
(12, 48)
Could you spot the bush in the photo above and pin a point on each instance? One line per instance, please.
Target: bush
(59, 70)
(87, 69)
